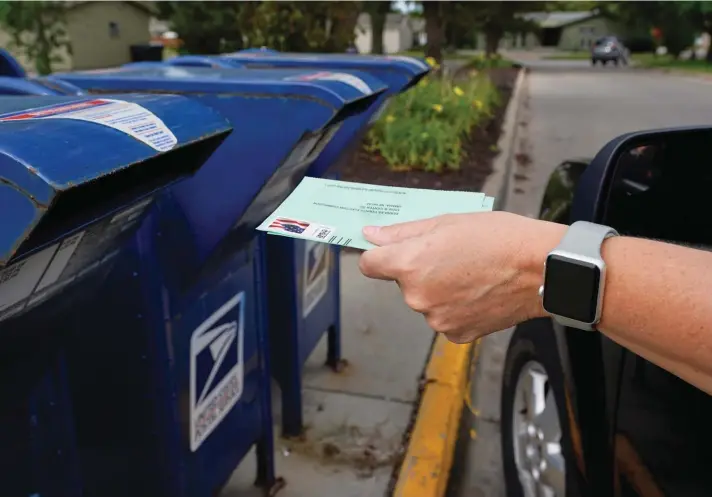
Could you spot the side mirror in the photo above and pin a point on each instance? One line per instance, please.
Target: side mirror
(653, 184)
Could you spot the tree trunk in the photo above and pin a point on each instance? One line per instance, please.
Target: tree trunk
(433, 30)
(378, 24)
(492, 37)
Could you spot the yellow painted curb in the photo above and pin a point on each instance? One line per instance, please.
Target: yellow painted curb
(426, 466)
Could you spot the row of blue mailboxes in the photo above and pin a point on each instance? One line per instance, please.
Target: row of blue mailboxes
(141, 314)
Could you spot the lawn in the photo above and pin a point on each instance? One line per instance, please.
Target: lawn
(667, 62)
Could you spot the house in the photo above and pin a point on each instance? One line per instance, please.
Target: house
(562, 30)
(100, 34)
(401, 32)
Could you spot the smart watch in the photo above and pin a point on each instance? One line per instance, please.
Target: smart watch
(574, 276)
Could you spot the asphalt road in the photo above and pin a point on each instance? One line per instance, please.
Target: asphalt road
(572, 110)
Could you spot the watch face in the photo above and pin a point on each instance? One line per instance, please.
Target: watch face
(571, 288)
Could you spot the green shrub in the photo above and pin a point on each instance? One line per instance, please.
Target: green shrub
(492, 61)
(424, 128)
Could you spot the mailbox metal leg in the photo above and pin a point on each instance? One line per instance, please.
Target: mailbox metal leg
(292, 416)
(333, 350)
(266, 477)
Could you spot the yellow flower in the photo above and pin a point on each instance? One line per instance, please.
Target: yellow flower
(390, 118)
(437, 107)
(458, 91)
(431, 61)
(477, 103)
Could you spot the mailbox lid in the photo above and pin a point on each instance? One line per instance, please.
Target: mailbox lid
(399, 72)
(337, 89)
(66, 162)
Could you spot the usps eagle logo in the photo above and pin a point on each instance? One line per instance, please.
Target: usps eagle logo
(216, 368)
(316, 274)
(288, 225)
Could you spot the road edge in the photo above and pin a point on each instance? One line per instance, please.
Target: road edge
(425, 469)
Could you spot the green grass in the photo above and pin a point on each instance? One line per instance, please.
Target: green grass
(569, 56)
(421, 54)
(667, 62)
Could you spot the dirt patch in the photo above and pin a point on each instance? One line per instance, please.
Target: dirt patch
(480, 150)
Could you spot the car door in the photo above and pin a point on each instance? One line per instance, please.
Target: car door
(662, 426)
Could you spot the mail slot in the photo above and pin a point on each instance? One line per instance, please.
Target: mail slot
(76, 182)
(209, 362)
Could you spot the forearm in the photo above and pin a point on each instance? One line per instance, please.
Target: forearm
(657, 302)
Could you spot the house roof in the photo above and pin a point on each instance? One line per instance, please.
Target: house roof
(558, 19)
(147, 7)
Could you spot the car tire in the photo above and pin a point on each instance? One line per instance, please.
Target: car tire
(593, 62)
(615, 62)
(533, 351)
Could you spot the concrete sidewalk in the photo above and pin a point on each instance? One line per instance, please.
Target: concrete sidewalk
(355, 419)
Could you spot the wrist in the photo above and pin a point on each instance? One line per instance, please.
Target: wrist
(546, 237)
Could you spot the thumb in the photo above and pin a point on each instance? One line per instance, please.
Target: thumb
(387, 235)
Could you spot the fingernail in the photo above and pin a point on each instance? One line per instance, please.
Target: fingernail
(370, 230)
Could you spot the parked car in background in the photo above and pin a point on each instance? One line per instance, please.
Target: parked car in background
(609, 49)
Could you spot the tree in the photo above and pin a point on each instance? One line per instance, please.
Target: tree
(37, 29)
(435, 28)
(675, 20)
(205, 27)
(378, 11)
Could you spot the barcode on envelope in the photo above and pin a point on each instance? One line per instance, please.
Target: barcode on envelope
(323, 233)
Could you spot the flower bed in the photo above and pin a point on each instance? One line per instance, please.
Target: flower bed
(440, 134)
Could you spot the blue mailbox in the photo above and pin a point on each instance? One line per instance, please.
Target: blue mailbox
(77, 176)
(315, 305)
(11, 85)
(315, 302)
(212, 393)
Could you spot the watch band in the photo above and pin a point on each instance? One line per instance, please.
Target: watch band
(584, 238)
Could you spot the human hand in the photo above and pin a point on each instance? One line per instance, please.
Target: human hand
(468, 274)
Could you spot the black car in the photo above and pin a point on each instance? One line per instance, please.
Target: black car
(581, 415)
(608, 49)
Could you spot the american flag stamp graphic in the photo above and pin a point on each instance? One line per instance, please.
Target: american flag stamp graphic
(302, 229)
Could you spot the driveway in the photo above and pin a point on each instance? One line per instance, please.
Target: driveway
(573, 110)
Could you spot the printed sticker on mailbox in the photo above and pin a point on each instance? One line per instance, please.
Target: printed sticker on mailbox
(127, 117)
(316, 274)
(216, 368)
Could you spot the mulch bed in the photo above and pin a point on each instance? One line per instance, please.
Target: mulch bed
(364, 167)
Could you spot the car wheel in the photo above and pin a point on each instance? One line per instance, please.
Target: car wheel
(615, 62)
(593, 62)
(604, 62)
(534, 440)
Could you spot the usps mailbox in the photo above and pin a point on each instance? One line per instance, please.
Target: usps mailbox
(77, 176)
(316, 302)
(282, 121)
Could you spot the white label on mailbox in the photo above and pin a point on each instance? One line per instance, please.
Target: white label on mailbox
(17, 282)
(409, 60)
(348, 79)
(216, 368)
(127, 117)
(316, 274)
